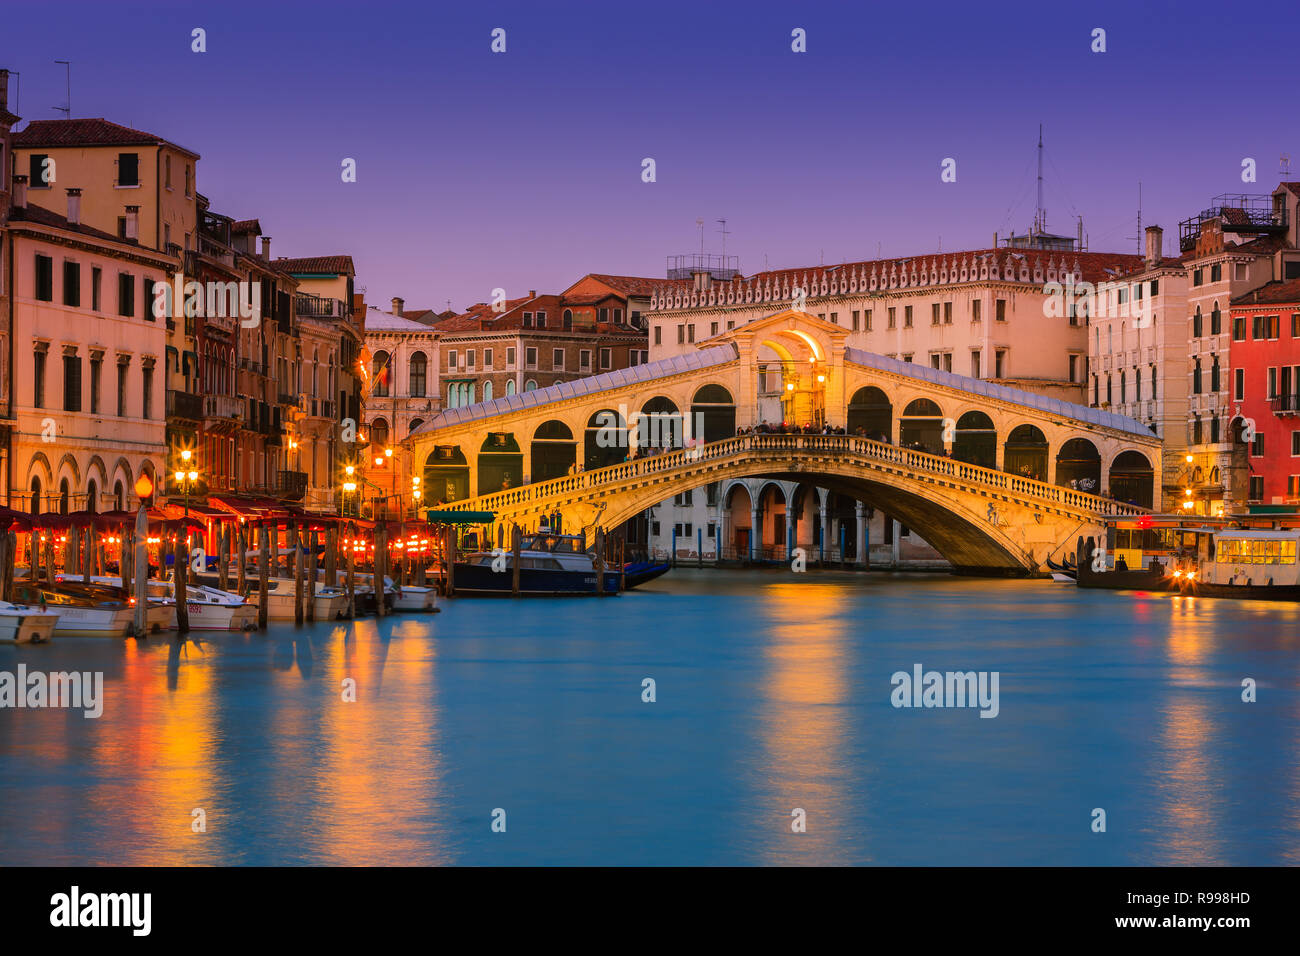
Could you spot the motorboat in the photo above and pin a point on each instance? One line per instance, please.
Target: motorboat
(549, 564)
(82, 610)
(331, 603)
(25, 624)
(160, 614)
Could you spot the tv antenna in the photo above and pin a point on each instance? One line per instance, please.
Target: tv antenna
(66, 110)
(725, 233)
(699, 224)
(1040, 214)
(1139, 235)
(1285, 166)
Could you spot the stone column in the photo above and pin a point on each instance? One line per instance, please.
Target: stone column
(898, 544)
(755, 531)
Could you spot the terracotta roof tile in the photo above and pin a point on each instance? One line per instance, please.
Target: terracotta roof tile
(1278, 291)
(340, 265)
(87, 132)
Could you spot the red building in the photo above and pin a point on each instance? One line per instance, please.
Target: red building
(1265, 383)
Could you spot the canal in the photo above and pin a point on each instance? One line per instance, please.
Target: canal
(772, 694)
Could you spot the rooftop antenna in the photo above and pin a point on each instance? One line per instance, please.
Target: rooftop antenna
(67, 109)
(725, 233)
(1139, 235)
(1040, 214)
(1285, 167)
(699, 224)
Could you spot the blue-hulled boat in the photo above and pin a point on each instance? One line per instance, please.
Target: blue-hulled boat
(549, 564)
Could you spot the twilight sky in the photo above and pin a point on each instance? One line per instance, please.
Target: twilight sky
(523, 169)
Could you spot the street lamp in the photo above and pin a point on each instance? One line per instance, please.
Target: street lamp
(186, 478)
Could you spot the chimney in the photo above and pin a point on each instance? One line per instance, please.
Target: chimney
(4, 91)
(20, 192)
(74, 207)
(1155, 242)
(398, 305)
(132, 223)
(266, 248)
(532, 293)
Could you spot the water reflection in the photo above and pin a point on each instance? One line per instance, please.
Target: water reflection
(802, 726)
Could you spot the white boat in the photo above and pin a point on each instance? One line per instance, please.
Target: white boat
(81, 612)
(23, 624)
(331, 603)
(414, 597)
(159, 615)
(210, 609)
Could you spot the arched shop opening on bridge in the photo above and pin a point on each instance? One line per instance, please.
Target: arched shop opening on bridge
(1078, 465)
(554, 451)
(500, 463)
(975, 441)
(1132, 479)
(871, 414)
(605, 441)
(446, 474)
(713, 414)
(659, 425)
(1025, 453)
(770, 538)
(921, 426)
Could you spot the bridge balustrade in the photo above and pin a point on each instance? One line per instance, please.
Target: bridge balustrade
(908, 458)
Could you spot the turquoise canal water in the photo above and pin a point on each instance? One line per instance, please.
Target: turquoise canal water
(773, 692)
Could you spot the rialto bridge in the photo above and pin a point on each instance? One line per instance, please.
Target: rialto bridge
(995, 478)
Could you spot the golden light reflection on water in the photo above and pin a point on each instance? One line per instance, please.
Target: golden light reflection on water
(163, 736)
(802, 725)
(378, 774)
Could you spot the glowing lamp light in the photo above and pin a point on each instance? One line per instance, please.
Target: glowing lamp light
(1190, 459)
(1187, 492)
(1178, 574)
(1187, 505)
(349, 486)
(821, 378)
(789, 386)
(388, 453)
(194, 476)
(349, 469)
(143, 486)
(416, 494)
(379, 462)
(180, 476)
(185, 454)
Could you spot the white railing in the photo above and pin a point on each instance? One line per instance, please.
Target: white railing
(784, 447)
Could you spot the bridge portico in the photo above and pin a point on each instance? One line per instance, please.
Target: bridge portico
(993, 477)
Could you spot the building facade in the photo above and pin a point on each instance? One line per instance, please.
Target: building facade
(88, 409)
(1265, 393)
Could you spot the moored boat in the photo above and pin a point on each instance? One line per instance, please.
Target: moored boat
(549, 564)
(1250, 564)
(81, 611)
(24, 624)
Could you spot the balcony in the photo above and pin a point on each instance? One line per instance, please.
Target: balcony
(257, 368)
(317, 307)
(283, 399)
(1285, 404)
(291, 485)
(318, 408)
(185, 406)
(222, 406)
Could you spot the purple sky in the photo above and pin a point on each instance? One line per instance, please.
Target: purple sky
(522, 170)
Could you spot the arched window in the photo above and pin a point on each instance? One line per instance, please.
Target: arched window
(419, 367)
(452, 393)
(414, 426)
(530, 386)
(92, 496)
(379, 433)
(36, 496)
(379, 368)
(119, 496)
(487, 391)
(568, 319)
(510, 386)
(63, 496)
